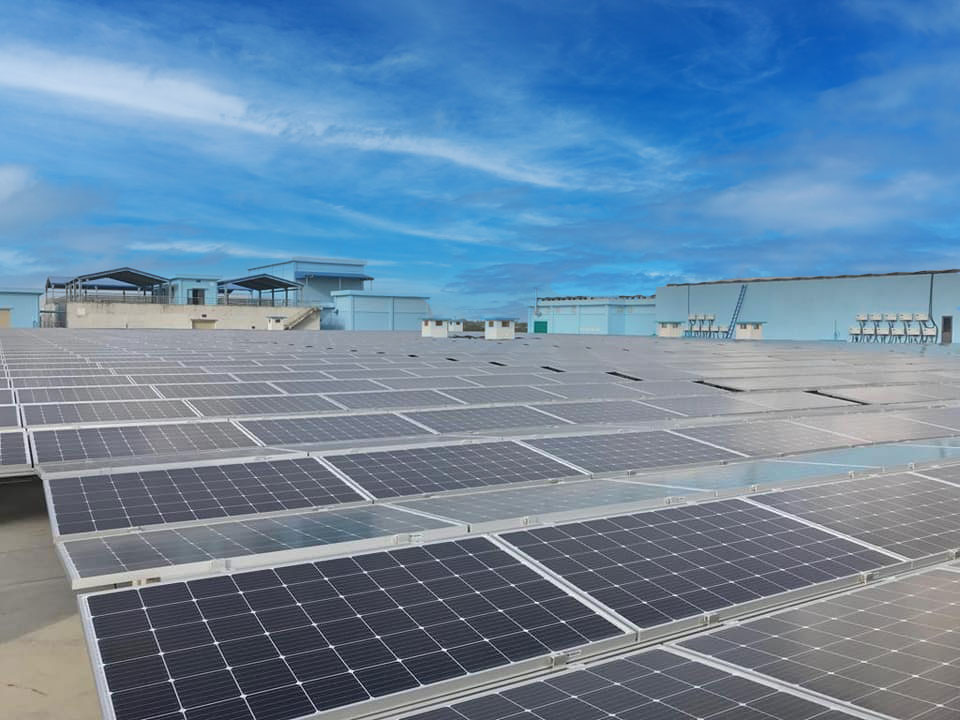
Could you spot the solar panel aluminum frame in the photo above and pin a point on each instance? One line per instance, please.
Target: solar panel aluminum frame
(683, 626)
(257, 561)
(18, 470)
(366, 498)
(391, 706)
(106, 464)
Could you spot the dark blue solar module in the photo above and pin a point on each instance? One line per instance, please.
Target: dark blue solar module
(664, 565)
(296, 640)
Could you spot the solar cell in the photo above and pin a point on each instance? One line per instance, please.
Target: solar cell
(773, 437)
(376, 374)
(392, 399)
(226, 389)
(478, 419)
(909, 515)
(883, 395)
(679, 388)
(664, 565)
(70, 413)
(611, 411)
(317, 636)
(654, 685)
(394, 473)
(945, 417)
(335, 428)
(122, 500)
(262, 405)
(889, 648)
(136, 441)
(270, 375)
(145, 554)
(628, 451)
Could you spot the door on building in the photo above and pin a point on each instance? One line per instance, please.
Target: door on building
(198, 324)
(946, 329)
(4, 317)
(539, 326)
(197, 296)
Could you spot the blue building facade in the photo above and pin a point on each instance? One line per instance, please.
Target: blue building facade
(815, 308)
(635, 315)
(366, 310)
(19, 308)
(321, 277)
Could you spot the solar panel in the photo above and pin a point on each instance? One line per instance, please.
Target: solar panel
(70, 381)
(418, 383)
(944, 417)
(13, 448)
(514, 394)
(478, 419)
(773, 437)
(889, 648)
(665, 565)
(295, 387)
(705, 405)
(883, 395)
(628, 451)
(9, 417)
(795, 400)
(182, 378)
(679, 388)
(376, 374)
(265, 405)
(205, 390)
(588, 495)
(392, 399)
(512, 379)
(611, 411)
(292, 431)
(268, 376)
(136, 441)
(121, 500)
(6, 397)
(790, 382)
(651, 685)
(394, 473)
(70, 413)
(876, 427)
(86, 394)
(905, 514)
(145, 554)
(294, 641)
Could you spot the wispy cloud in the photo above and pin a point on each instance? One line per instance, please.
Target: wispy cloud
(140, 89)
(209, 247)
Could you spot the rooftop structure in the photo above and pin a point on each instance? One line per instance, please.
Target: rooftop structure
(300, 509)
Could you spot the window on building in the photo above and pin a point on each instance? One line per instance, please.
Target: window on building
(504, 323)
(490, 323)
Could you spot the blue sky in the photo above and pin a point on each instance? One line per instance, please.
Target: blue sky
(477, 151)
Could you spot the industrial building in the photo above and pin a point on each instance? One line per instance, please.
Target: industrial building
(298, 294)
(581, 315)
(883, 308)
(19, 308)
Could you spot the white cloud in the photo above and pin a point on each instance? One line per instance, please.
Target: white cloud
(819, 201)
(928, 16)
(205, 247)
(140, 89)
(14, 179)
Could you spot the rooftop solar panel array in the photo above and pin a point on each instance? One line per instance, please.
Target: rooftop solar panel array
(186, 455)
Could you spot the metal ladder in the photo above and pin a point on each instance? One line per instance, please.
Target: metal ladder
(736, 312)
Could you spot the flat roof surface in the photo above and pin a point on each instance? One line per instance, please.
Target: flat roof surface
(550, 495)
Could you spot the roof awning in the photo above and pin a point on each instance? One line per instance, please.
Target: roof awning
(60, 282)
(304, 274)
(127, 275)
(261, 281)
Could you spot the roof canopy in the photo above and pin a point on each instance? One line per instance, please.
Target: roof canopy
(261, 281)
(127, 275)
(59, 282)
